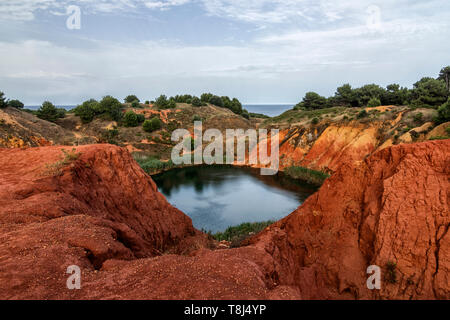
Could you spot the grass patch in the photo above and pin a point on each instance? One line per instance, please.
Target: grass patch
(439, 138)
(297, 115)
(55, 169)
(239, 233)
(258, 115)
(152, 165)
(311, 176)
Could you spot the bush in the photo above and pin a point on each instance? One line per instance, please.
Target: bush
(15, 104)
(135, 104)
(315, 121)
(87, 110)
(197, 118)
(163, 103)
(49, 112)
(152, 125)
(444, 113)
(196, 102)
(111, 107)
(131, 99)
(362, 114)
(217, 101)
(147, 102)
(313, 101)
(429, 92)
(374, 102)
(418, 117)
(130, 119)
(3, 103)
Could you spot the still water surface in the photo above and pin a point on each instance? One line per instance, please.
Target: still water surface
(216, 197)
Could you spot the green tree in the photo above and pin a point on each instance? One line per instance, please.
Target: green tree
(152, 125)
(131, 98)
(15, 104)
(130, 119)
(87, 110)
(162, 102)
(206, 97)
(48, 112)
(196, 102)
(346, 96)
(367, 92)
(313, 101)
(444, 113)
(395, 95)
(3, 103)
(217, 101)
(374, 102)
(112, 107)
(429, 92)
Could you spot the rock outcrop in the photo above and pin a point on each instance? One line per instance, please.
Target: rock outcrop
(95, 208)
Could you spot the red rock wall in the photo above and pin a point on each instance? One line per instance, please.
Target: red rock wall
(102, 213)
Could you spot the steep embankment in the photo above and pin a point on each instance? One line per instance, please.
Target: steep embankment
(392, 208)
(100, 211)
(340, 139)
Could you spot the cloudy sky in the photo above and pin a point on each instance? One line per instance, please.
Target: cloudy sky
(260, 51)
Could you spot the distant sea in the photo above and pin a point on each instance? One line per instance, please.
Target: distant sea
(70, 107)
(271, 110)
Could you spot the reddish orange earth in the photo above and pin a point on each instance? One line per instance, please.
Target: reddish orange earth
(95, 208)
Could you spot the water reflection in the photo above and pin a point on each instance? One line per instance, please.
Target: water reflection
(216, 197)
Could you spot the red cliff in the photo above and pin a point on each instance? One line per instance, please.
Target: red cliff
(95, 208)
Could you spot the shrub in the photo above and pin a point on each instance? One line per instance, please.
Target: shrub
(112, 107)
(49, 112)
(152, 125)
(131, 99)
(130, 119)
(362, 114)
(109, 136)
(172, 104)
(217, 101)
(16, 104)
(162, 102)
(196, 102)
(313, 101)
(374, 102)
(87, 110)
(429, 92)
(444, 113)
(147, 102)
(418, 117)
(315, 121)
(197, 118)
(246, 115)
(135, 104)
